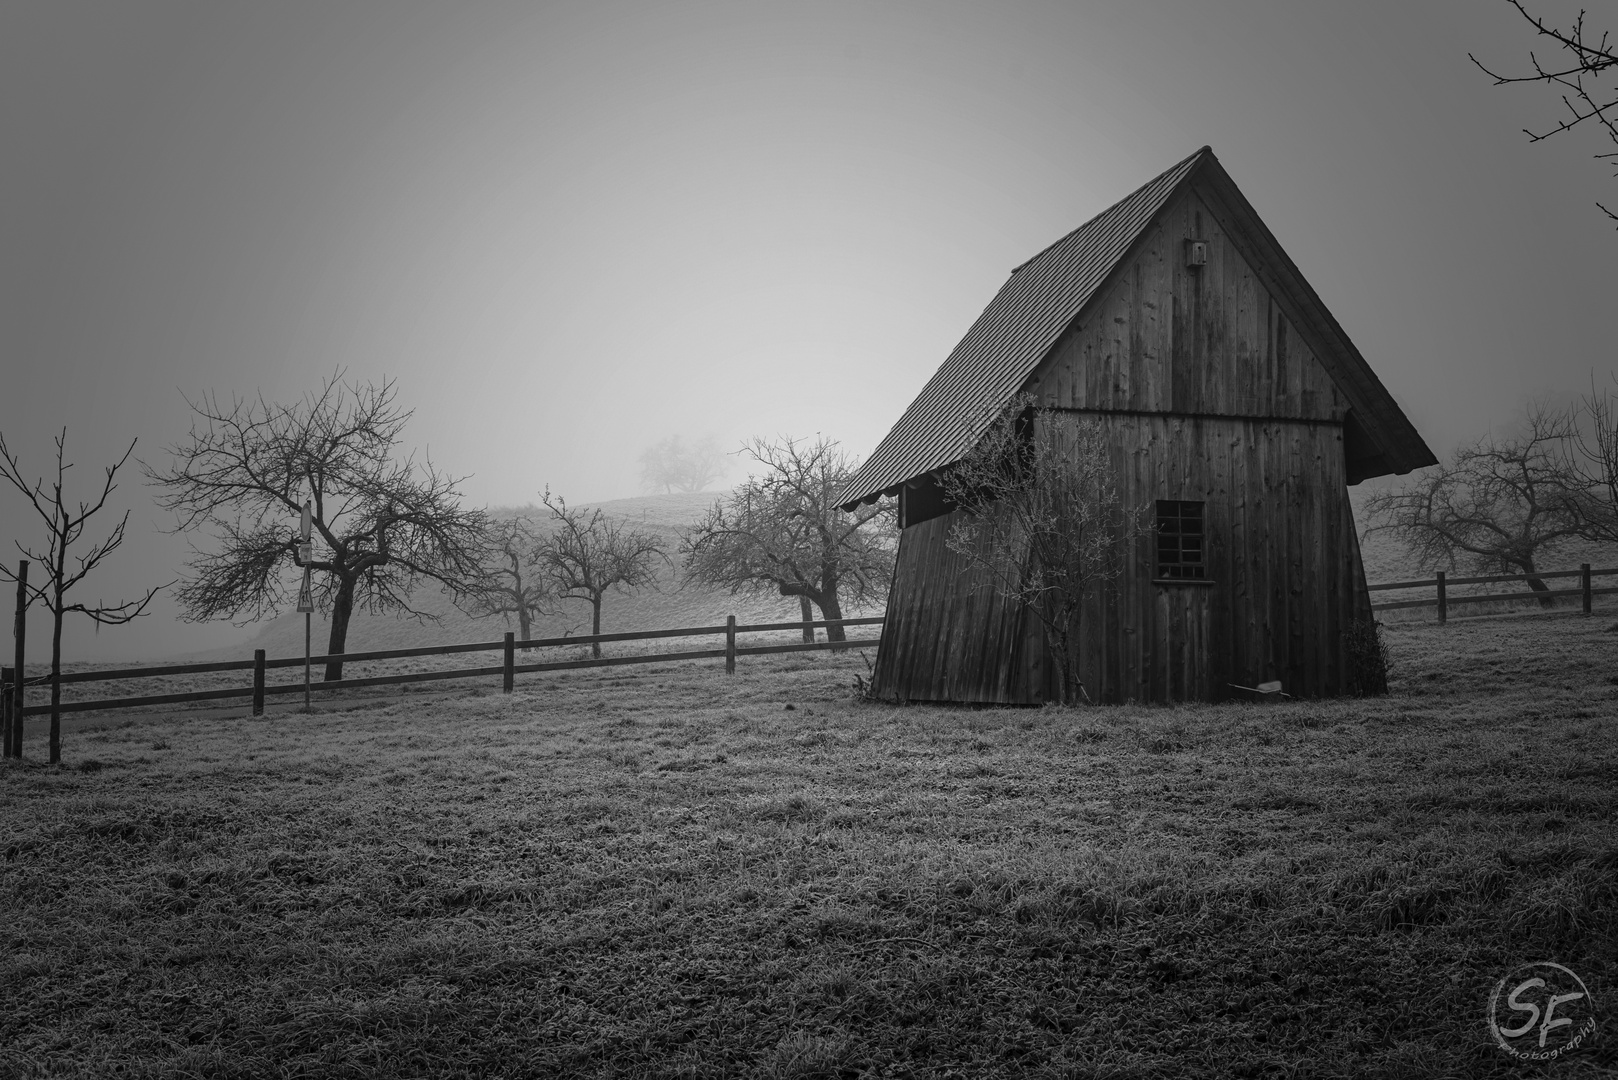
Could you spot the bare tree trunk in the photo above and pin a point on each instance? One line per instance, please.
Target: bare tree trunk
(56, 676)
(595, 625)
(1071, 683)
(808, 617)
(341, 609)
(831, 609)
(1056, 650)
(522, 622)
(1536, 585)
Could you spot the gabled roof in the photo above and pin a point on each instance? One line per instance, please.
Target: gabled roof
(1047, 293)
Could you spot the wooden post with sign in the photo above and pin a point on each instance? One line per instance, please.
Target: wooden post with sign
(306, 598)
(20, 631)
(5, 709)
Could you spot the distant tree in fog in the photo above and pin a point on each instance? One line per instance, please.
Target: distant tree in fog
(1497, 506)
(515, 580)
(675, 465)
(587, 553)
(1593, 465)
(50, 588)
(1580, 57)
(385, 524)
(782, 532)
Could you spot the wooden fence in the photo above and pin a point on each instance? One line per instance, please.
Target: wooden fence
(1442, 599)
(261, 689)
(14, 708)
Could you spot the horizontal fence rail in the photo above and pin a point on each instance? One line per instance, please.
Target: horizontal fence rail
(1442, 598)
(259, 691)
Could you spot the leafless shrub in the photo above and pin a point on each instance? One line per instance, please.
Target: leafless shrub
(1044, 525)
(1369, 661)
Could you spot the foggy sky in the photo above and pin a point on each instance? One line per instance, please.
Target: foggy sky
(571, 229)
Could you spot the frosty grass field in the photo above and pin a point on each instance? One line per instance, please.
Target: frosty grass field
(664, 871)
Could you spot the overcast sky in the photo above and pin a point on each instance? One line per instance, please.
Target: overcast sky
(571, 229)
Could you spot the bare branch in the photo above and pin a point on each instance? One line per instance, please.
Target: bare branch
(386, 525)
(514, 581)
(587, 554)
(1584, 61)
(1498, 507)
(1592, 464)
(782, 532)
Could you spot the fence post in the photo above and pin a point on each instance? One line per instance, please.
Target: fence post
(258, 682)
(1443, 600)
(20, 632)
(5, 708)
(1584, 584)
(511, 662)
(730, 645)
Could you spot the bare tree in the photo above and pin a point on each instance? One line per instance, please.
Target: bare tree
(386, 525)
(515, 582)
(783, 532)
(1593, 465)
(675, 465)
(66, 528)
(588, 553)
(1043, 524)
(1497, 506)
(1582, 58)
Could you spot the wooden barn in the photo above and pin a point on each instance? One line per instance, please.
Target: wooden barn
(1238, 413)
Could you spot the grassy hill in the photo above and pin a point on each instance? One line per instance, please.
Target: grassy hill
(667, 604)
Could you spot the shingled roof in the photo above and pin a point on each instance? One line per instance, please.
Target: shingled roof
(1047, 293)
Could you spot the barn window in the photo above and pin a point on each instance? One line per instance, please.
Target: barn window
(1181, 552)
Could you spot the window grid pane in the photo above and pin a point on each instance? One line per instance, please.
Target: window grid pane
(1179, 539)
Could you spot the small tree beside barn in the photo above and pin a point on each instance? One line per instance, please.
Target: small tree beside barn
(1174, 334)
(1040, 524)
(781, 531)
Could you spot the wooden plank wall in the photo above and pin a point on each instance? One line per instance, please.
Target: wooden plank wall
(945, 636)
(1162, 337)
(1282, 556)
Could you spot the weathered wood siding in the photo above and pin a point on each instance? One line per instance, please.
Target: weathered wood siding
(1163, 337)
(952, 638)
(1283, 562)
